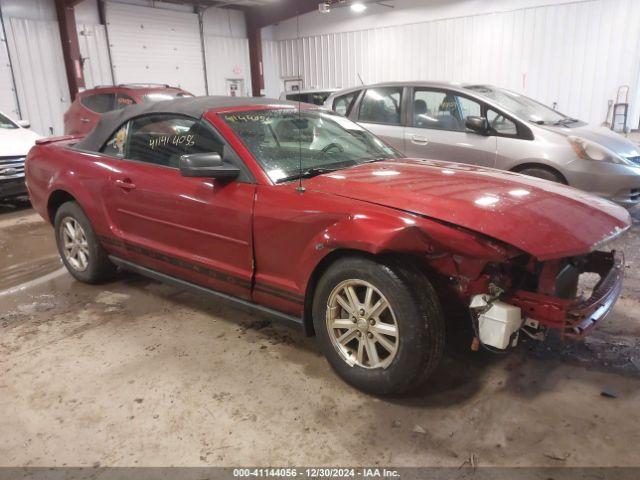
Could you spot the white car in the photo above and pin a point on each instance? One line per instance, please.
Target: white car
(15, 142)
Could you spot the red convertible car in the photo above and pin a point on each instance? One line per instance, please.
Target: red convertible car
(301, 214)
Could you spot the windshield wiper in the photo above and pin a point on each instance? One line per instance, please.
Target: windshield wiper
(310, 172)
(566, 121)
(377, 159)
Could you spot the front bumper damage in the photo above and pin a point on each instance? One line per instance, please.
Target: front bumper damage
(576, 318)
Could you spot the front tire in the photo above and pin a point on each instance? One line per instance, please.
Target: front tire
(544, 173)
(379, 324)
(79, 246)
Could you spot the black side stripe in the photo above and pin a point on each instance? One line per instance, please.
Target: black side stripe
(277, 292)
(209, 272)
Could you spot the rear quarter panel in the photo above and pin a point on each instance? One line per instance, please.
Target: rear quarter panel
(52, 167)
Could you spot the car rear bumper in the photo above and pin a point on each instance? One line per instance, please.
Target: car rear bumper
(578, 317)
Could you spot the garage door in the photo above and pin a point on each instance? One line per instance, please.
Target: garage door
(7, 93)
(152, 45)
(38, 69)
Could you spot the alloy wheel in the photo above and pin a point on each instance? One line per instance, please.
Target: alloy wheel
(362, 325)
(74, 244)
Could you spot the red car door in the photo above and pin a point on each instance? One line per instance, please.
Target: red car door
(197, 229)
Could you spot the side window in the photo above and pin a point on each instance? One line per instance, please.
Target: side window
(500, 124)
(163, 139)
(99, 103)
(381, 105)
(442, 110)
(122, 101)
(116, 145)
(343, 104)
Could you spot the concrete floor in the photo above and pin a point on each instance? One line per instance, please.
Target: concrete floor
(138, 373)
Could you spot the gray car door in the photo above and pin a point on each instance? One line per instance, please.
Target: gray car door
(380, 111)
(436, 128)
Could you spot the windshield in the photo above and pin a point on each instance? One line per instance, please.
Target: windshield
(322, 141)
(161, 96)
(6, 123)
(520, 105)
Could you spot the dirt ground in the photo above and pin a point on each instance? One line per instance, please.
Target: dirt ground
(137, 373)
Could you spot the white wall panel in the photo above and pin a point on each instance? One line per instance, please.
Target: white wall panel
(8, 103)
(95, 53)
(152, 45)
(270, 70)
(38, 67)
(574, 54)
(227, 58)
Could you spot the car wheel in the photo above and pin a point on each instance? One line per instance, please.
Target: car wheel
(544, 173)
(79, 247)
(379, 325)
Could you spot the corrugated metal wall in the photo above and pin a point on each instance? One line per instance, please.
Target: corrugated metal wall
(95, 52)
(152, 45)
(271, 68)
(8, 103)
(574, 54)
(38, 68)
(227, 58)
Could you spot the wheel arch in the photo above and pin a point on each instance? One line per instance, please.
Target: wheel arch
(543, 166)
(55, 200)
(387, 257)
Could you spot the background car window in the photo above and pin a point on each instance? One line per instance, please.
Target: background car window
(6, 123)
(442, 110)
(115, 146)
(381, 105)
(99, 103)
(315, 98)
(500, 124)
(123, 101)
(343, 104)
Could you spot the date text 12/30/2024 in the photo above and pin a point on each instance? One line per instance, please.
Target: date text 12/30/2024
(315, 472)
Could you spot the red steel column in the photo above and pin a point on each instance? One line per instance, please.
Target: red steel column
(255, 55)
(70, 46)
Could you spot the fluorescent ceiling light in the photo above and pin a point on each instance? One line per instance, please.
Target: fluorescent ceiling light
(358, 7)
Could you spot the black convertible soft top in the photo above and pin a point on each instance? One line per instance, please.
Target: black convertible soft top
(193, 107)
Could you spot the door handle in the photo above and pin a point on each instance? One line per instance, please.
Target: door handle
(125, 184)
(85, 120)
(419, 139)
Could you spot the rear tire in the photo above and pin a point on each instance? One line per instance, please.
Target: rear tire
(403, 344)
(79, 246)
(544, 173)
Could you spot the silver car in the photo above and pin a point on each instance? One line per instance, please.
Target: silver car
(494, 127)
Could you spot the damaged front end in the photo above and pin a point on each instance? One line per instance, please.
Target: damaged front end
(531, 297)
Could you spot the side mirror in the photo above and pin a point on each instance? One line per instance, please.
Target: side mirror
(477, 124)
(24, 123)
(207, 165)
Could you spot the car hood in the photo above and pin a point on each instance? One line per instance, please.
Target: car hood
(603, 136)
(16, 141)
(544, 219)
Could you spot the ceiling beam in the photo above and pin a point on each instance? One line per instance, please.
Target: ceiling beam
(265, 15)
(262, 16)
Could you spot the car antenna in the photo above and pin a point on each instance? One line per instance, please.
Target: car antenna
(300, 187)
(360, 78)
